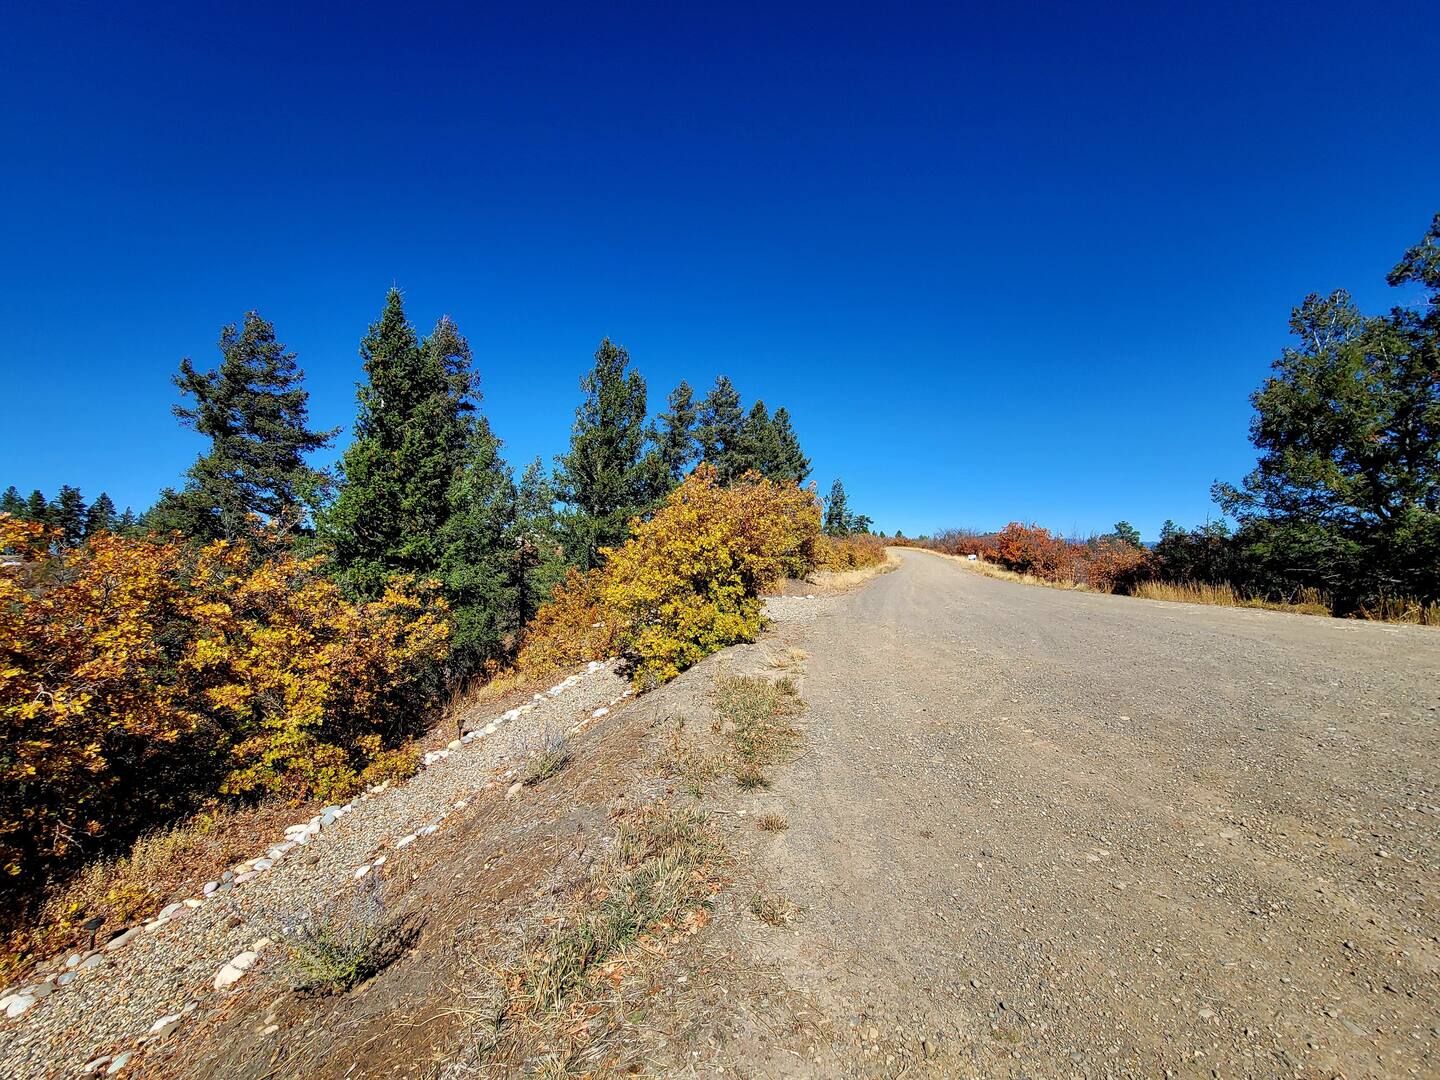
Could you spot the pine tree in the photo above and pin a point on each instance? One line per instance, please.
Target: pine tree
(101, 516)
(540, 562)
(760, 444)
(129, 524)
(720, 432)
(37, 509)
(255, 411)
(837, 511)
(476, 556)
(11, 502)
(792, 464)
(1127, 533)
(604, 478)
(675, 435)
(396, 475)
(69, 515)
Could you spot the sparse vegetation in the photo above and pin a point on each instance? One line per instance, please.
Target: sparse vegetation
(660, 872)
(773, 910)
(546, 762)
(755, 718)
(770, 821)
(348, 942)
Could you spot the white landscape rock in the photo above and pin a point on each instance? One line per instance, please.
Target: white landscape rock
(119, 1062)
(232, 972)
(165, 1025)
(599, 713)
(405, 841)
(361, 871)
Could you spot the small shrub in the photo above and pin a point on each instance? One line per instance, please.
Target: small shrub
(773, 910)
(755, 715)
(545, 763)
(348, 942)
(853, 552)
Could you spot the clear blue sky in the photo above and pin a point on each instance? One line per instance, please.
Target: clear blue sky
(999, 262)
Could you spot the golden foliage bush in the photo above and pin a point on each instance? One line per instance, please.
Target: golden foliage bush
(849, 552)
(688, 581)
(138, 676)
(571, 628)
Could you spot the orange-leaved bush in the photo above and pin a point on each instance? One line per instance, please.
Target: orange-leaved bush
(688, 581)
(138, 677)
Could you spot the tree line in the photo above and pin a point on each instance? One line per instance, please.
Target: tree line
(424, 488)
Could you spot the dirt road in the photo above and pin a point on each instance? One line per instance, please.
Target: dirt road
(1043, 833)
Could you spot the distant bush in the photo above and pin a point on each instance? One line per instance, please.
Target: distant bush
(688, 581)
(138, 677)
(852, 552)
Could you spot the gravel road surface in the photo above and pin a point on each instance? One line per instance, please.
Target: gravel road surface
(1045, 833)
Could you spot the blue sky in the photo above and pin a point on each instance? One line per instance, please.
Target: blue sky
(999, 262)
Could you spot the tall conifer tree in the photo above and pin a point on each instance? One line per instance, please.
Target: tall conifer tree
(69, 515)
(604, 478)
(721, 430)
(101, 516)
(792, 464)
(12, 503)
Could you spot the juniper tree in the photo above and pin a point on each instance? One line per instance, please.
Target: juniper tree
(101, 516)
(254, 409)
(720, 432)
(604, 478)
(791, 463)
(837, 511)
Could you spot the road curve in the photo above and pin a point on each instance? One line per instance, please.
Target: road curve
(1066, 834)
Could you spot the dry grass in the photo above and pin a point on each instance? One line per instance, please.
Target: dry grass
(770, 821)
(352, 939)
(1404, 611)
(661, 872)
(546, 762)
(1308, 602)
(158, 867)
(994, 570)
(773, 910)
(755, 717)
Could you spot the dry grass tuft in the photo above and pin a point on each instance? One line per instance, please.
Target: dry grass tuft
(349, 941)
(770, 821)
(545, 763)
(1403, 611)
(755, 717)
(773, 910)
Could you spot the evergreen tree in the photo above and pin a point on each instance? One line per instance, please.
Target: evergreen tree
(128, 524)
(791, 463)
(837, 511)
(1127, 534)
(408, 449)
(540, 562)
(12, 503)
(675, 435)
(605, 478)
(721, 431)
(101, 516)
(69, 515)
(37, 509)
(255, 411)
(476, 559)
(760, 443)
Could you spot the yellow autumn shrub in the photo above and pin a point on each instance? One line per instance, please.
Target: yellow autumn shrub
(849, 552)
(138, 677)
(572, 627)
(688, 581)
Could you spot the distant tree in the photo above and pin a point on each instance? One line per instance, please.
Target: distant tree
(837, 511)
(1127, 533)
(129, 524)
(37, 509)
(721, 431)
(791, 464)
(11, 502)
(101, 516)
(254, 409)
(1346, 494)
(604, 478)
(675, 435)
(858, 523)
(760, 444)
(540, 562)
(68, 515)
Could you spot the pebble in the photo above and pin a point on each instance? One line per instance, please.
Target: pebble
(123, 940)
(232, 972)
(165, 1025)
(121, 1060)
